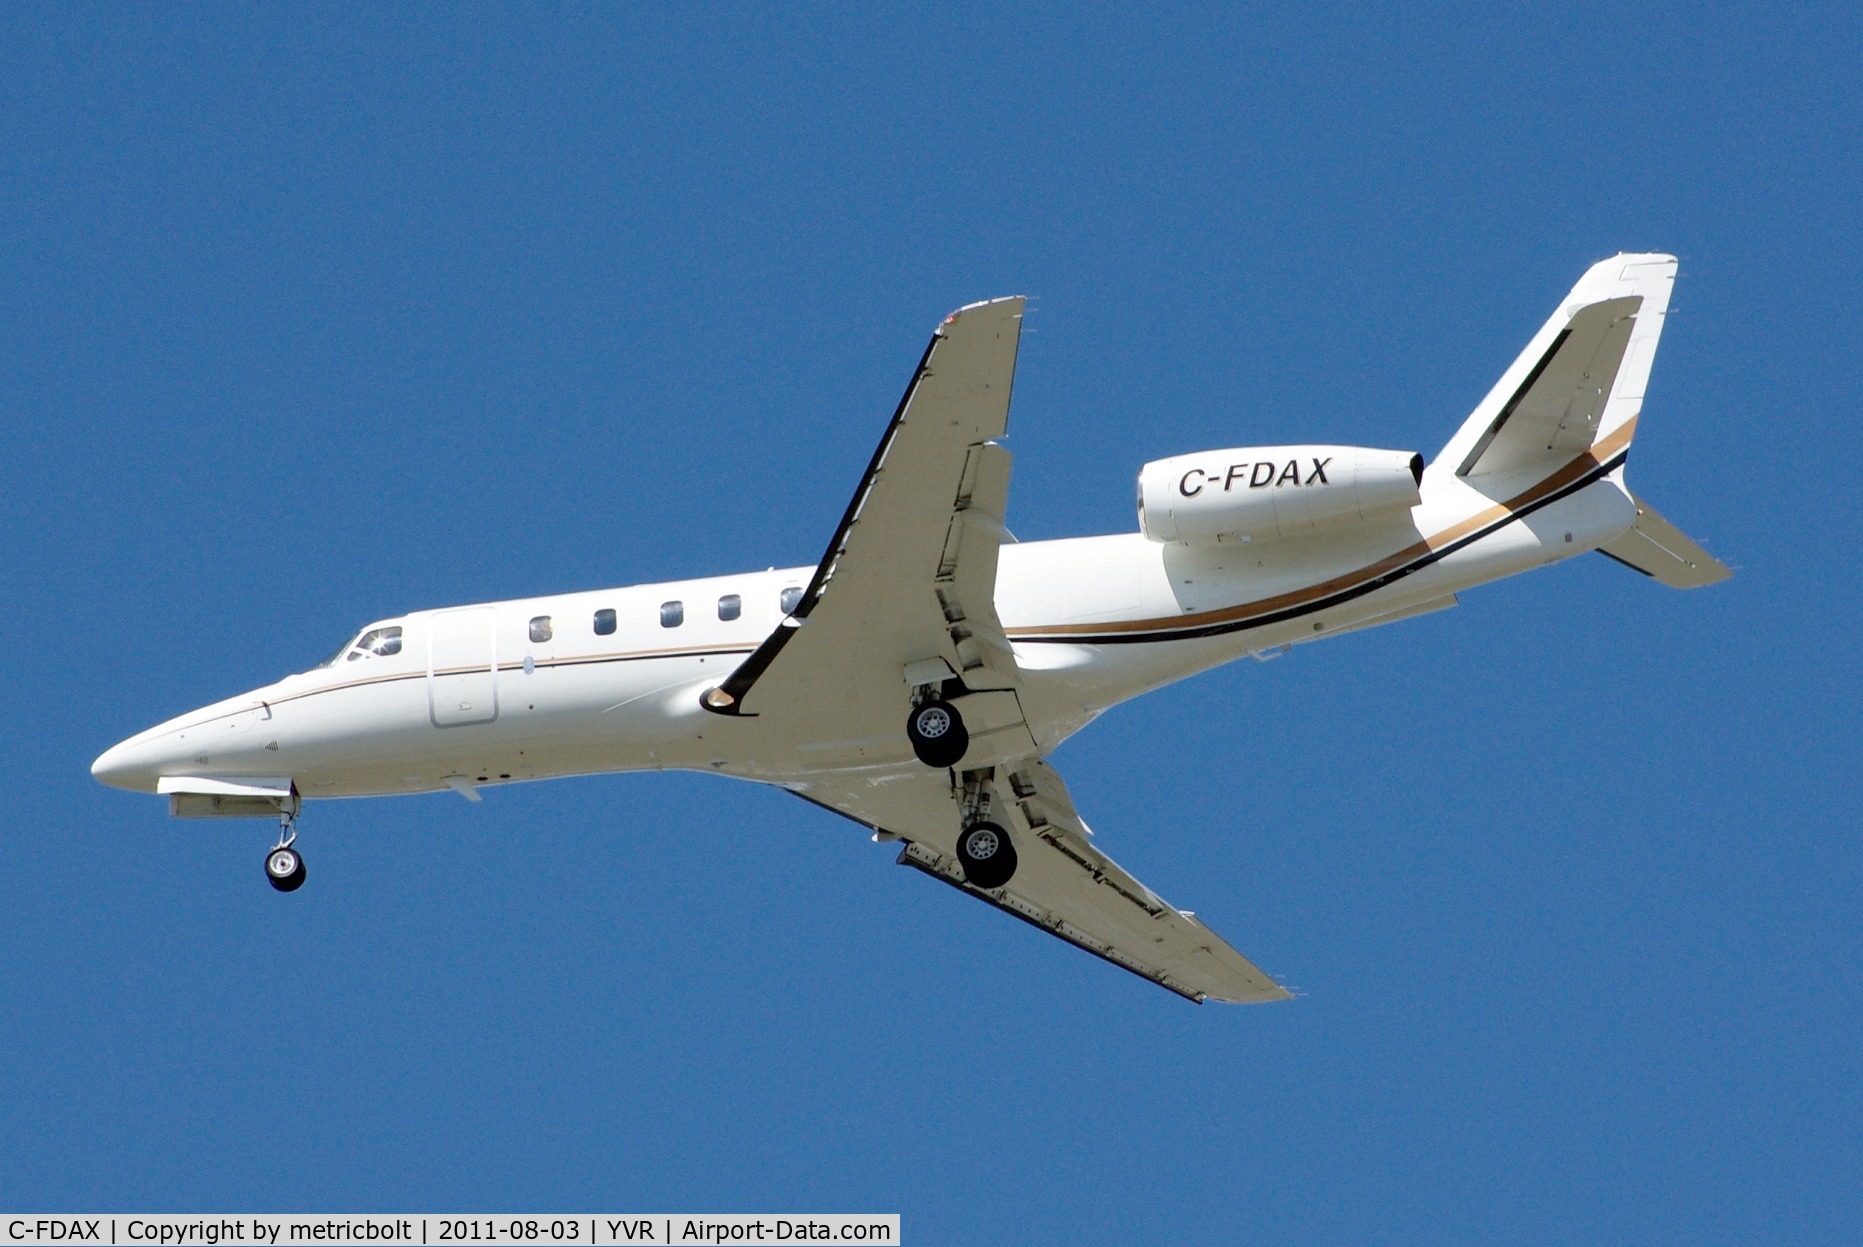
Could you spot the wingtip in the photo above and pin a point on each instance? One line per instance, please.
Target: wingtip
(983, 303)
(1255, 996)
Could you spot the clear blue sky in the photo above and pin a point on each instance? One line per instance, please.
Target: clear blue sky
(308, 318)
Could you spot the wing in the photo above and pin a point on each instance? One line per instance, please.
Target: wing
(907, 585)
(1062, 883)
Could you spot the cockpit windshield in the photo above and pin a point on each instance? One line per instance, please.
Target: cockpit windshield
(377, 641)
(331, 660)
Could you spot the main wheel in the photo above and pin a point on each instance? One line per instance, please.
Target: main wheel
(284, 869)
(937, 733)
(987, 856)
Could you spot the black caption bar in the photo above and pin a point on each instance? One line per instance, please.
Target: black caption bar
(433, 1230)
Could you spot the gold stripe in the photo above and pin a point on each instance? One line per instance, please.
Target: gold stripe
(1591, 459)
(1558, 480)
(422, 674)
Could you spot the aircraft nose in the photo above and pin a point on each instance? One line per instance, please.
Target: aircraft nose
(129, 765)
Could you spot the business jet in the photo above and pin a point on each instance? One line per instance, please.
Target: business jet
(919, 677)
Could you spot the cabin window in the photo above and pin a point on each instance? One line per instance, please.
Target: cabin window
(672, 614)
(791, 598)
(604, 622)
(540, 629)
(730, 606)
(377, 643)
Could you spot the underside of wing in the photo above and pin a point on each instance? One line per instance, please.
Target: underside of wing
(1062, 883)
(901, 608)
(908, 581)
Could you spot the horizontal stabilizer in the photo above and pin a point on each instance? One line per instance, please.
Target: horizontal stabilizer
(1659, 549)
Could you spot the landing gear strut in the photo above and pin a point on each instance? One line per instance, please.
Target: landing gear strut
(984, 849)
(284, 865)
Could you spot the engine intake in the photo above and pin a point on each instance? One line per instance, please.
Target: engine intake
(1273, 491)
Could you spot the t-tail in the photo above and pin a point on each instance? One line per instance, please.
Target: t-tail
(1568, 408)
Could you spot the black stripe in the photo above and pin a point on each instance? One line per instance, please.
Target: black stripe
(747, 673)
(1342, 596)
(837, 544)
(1520, 394)
(739, 682)
(503, 666)
(709, 652)
(1627, 563)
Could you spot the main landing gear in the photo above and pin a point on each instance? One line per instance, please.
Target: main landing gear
(284, 865)
(985, 852)
(937, 733)
(987, 856)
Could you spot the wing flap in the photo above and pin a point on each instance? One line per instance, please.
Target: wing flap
(966, 577)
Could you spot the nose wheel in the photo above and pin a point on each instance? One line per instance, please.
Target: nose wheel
(284, 865)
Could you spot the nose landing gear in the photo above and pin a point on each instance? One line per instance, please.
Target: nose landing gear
(284, 865)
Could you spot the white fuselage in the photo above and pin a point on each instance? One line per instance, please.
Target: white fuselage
(471, 699)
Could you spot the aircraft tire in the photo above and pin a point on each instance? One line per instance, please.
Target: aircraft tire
(284, 869)
(987, 856)
(937, 733)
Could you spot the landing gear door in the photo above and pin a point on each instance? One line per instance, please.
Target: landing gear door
(462, 665)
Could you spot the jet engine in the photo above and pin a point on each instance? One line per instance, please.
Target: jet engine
(1255, 492)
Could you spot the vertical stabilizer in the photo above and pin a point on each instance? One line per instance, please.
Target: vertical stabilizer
(1579, 384)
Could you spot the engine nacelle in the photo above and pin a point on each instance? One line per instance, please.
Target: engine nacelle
(1273, 491)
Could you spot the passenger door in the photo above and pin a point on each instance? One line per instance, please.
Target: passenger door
(462, 662)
